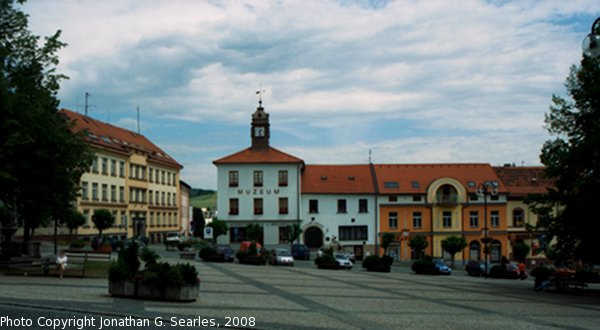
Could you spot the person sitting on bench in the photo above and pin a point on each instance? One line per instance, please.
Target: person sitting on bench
(61, 263)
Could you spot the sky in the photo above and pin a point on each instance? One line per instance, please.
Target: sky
(401, 81)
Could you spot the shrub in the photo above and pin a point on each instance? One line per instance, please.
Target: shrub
(148, 256)
(116, 272)
(77, 244)
(387, 260)
(189, 273)
(371, 261)
(156, 274)
(542, 272)
(128, 257)
(181, 246)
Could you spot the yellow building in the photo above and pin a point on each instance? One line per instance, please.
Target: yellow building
(132, 178)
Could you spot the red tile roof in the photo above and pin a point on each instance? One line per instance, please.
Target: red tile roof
(116, 139)
(521, 181)
(269, 155)
(416, 178)
(337, 179)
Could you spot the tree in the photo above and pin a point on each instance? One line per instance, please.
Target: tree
(254, 232)
(41, 160)
(199, 223)
(520, 251)
(73, 219)
(103, 219)
(572, 159)
(453, 245)
(293, 233)
(418, 244)
(386, 240)
(219, 228)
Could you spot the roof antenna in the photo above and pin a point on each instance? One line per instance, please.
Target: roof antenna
(86, 106)
(260, 92)
(138, 119)
(369, 156)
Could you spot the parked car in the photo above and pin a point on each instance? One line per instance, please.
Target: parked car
(343, 260)
(442, 268)
(300, 252)
(226, 252)
(477, 268)
(173, 237)
(281, 257)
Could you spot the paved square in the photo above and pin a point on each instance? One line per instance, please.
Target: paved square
(304, 297)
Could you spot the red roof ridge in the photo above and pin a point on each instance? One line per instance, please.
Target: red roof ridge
(268, 155)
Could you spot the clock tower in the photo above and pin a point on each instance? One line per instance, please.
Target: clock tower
(260, 128)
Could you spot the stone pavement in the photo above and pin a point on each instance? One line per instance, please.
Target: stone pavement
(308, 298)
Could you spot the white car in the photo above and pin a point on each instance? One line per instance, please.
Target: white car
(343, 260)
(281, 257)
(173, 237)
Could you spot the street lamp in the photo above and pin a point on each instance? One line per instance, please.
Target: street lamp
(485, 189)
(591, 43)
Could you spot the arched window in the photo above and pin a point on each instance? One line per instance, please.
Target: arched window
(446, 194)
(518, 217)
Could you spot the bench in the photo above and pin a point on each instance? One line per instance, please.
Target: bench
(45, 267)
(79, 256)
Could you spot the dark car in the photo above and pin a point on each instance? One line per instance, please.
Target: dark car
(226, 252)
(300, 252)
(477, 268)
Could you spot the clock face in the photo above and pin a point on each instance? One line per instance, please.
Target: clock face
(259, 131)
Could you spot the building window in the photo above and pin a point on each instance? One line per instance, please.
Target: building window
(416, 198)
(283, 205)
(122, 168)
(237, 234)
(104, 166)
(151, 219)
(494, 197)
(258, 206)
(283, 178)
(234, 206)
(341, 206)
(157, 176)
(473, 197)
(495, 218)
(474, 219)
(284, 234)
(105, 193)
(313, 206)
(417, 220)
(258, 178)
(168, 199)
(518, 218)
(234, 178)
(174, 199)
(393, 198)
(121, 194)
(447, 219)
(162, 198)
(157, 197)
(363, 206)
(84, 190)
(162, 177)
(352, 233)
(95, 165)
(86, 216)
(393, 220)
(94, 191)
(151, 174)
(150, 197)
(113, 193)
(113, 167)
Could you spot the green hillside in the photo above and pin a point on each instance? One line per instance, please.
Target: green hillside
(207, 198)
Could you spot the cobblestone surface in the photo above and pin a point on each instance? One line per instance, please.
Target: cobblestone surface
(307, 298)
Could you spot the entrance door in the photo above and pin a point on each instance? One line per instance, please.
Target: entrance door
(313, 237)
(474, 250)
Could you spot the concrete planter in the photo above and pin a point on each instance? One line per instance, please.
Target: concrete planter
(183, 292)
(124, 288)
(148, 291)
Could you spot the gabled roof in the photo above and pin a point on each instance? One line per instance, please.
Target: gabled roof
(416, 178)
(337, 179)
(120, 140)
(521, 181)
(268, 155)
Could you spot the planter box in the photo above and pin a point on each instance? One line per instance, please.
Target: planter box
(147, 291)
(253, 260)
(184, 292)
(191, 255)
(121, 288)
(380, 269)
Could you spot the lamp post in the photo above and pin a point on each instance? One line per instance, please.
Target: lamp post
(591, 43)
(485, 189)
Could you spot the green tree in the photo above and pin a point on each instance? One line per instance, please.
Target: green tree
(103, 219)
(73, 219)
(41, 160)
(419, 244)
(520, 251)
(219, 228)
(386, 240)
(254, 232)
(453, 245)
(572, 159)
(293, 233)
(199, 222)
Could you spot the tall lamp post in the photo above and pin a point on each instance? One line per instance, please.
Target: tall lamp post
(591, 43)
(485, 189)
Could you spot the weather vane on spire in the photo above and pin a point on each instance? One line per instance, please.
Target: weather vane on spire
(260, 92)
